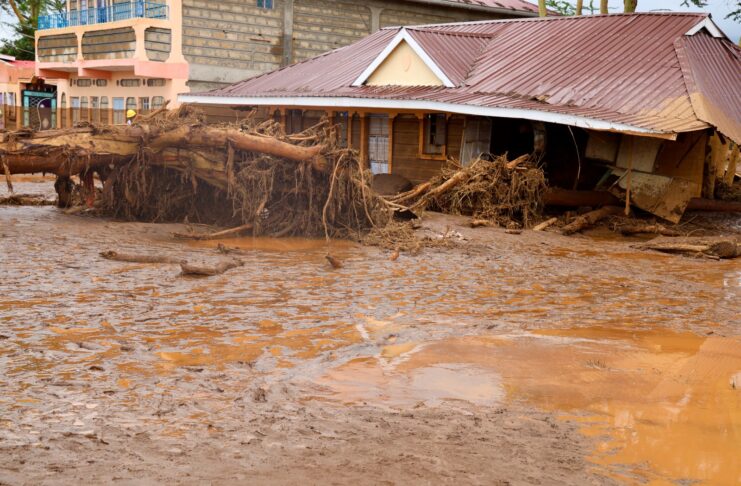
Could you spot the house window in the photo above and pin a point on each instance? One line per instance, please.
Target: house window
(433, 134)
(131, 103)
(378, 144)
(101, 83)
(11, 106)
(157, 102)
(268, 4)
(84, 83)
(119, 115)
(130, 83)
(293, 121)
(95, 105)
(155, 82)
(144, 104)
(75, 109)
(341, 121)
(84, 108)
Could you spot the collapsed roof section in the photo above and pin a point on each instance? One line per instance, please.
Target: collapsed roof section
(654, 74)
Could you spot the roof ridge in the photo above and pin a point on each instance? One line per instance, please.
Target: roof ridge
(563, 18)
(481, 35)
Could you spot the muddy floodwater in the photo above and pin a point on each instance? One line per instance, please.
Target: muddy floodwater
(530, 359)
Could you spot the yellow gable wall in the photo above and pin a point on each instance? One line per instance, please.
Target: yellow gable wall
(403, 67)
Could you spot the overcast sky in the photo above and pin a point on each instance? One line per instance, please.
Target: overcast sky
(718, 8)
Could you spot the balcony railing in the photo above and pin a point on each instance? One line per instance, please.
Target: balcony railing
(138, 9)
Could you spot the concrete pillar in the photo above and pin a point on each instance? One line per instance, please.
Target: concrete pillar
(375, 18)
(176, 39)
(287, 33)
(141, 51)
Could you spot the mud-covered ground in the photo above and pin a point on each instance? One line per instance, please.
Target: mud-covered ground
(510, 359)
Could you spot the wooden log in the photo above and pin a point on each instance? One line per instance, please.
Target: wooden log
(477, 223)
(545, 224)
(417, 191)
(588, 219)
(335, 262)
(714, 246)
(456, 179)
(207, 271)
(214, 236)
(657, 229)
(519, 160)
(700, 204)
(139, 258)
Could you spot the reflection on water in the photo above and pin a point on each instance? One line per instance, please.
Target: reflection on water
(661, 404)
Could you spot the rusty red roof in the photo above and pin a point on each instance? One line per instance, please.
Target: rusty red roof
(631, 72)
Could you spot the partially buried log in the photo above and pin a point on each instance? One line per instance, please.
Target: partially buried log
(586, 220)
(545, 224)
(215, 236)
(656, 229)
(209, 271)
(717, 247)
(139, 258)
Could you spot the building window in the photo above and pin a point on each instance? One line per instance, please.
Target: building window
(101, 83)
(64, 101)
(75, 109)
(84, 83)
(144, 104)
(84, 108)
(157, 102)
(293, 121)
(378, 144)
(155, 82)
(95, 105)
(433, 134)
(119, 115)
(268, 4)
(341, 122)
(131, 83)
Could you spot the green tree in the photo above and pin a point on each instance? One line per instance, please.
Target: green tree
(27, 13)
(561, 6)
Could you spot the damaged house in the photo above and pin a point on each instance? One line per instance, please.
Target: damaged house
(646, 106)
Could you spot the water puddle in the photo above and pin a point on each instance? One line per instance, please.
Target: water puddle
(660, 404)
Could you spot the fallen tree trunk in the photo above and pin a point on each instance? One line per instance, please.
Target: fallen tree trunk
(208, 271)
(586, 220)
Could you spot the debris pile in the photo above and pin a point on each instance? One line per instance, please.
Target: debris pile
(490, 189)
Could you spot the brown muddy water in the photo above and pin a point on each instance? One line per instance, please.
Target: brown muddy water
(511, 359)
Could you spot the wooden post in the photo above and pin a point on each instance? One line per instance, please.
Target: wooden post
(350, 115)
(732, 165)
(630, 174)
(421, 138)
(391, 141)
(364, 138)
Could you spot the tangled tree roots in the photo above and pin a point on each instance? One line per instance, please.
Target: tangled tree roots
(278, 197)
(487, 189)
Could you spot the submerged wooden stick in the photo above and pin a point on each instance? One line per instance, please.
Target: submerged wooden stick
(138, 258)
(214, 236)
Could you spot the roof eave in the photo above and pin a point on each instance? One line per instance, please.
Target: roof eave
(425, 105)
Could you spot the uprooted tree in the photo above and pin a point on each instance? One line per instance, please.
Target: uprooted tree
(171, 166)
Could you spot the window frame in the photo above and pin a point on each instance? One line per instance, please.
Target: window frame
(425, 126)
(265, 4)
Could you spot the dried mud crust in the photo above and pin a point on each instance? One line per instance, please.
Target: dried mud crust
(274, 443)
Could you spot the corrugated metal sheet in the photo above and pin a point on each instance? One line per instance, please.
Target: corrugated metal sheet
(468, 48)
(711, 70)
(617, 68)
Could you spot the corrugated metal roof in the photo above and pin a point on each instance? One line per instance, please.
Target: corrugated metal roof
(516, 5)
(713, 80)
(617, 68)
